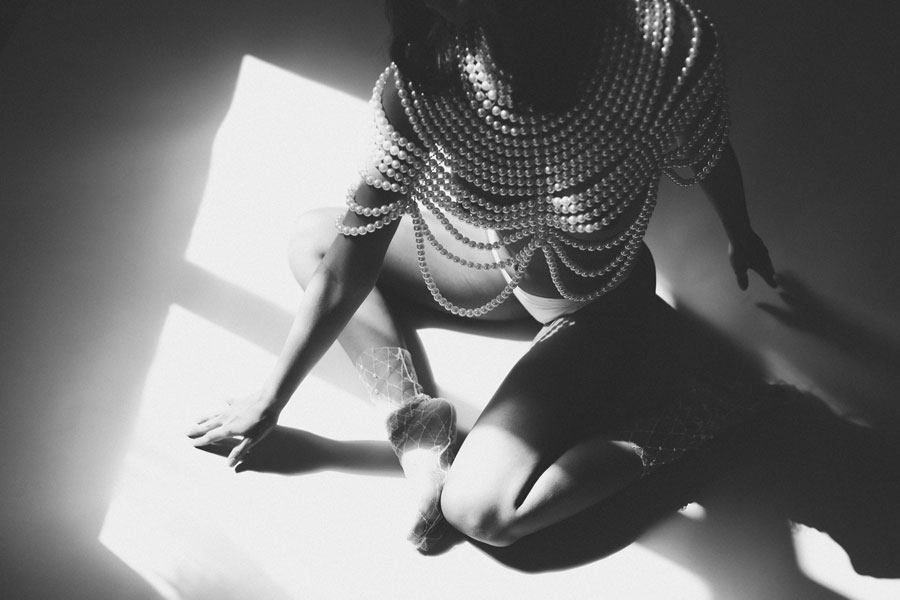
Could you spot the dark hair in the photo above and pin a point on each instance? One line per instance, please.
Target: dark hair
(544, 46)
(420, 45)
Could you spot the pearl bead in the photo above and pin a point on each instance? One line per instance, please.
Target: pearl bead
(592, 169)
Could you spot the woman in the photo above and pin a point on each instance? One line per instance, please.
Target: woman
(518, 153)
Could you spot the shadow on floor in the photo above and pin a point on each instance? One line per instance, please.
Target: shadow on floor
(796, 461)
(801, 464)
(872, 349)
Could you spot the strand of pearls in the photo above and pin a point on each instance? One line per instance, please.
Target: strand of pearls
(397, 159)
(383, 215)
(522, 259)
(706, 96)
(584, 179)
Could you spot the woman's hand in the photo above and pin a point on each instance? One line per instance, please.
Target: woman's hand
(748, 252)
(251, 418)
(724, 186)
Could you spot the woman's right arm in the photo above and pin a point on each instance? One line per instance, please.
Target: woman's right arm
(724, 187)
(344, 278)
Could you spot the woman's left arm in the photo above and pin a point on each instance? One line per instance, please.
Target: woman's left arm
(724, 187)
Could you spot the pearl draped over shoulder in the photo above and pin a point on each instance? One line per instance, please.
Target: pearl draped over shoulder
(583, 180)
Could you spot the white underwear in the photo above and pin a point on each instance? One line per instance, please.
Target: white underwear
(544, 310)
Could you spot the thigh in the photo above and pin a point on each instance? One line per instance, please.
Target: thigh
(584, 376)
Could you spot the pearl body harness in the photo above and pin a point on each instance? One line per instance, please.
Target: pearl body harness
(582, 181)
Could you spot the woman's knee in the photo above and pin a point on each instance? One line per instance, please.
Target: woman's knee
(485, 485)
(478, 514)
(310, 238)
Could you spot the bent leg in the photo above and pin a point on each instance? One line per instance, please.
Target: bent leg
(541, 451)
(422, 429)
(513, 492)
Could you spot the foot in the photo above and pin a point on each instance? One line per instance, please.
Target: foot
(422, 434)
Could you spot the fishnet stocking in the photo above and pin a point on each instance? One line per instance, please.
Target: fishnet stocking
(694, 418)
(421, 430)
(389, 377)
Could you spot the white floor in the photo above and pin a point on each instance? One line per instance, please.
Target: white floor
(129, 306)
(195, 529)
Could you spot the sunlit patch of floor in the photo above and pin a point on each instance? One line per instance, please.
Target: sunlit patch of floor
(196, 529)
(287, 145)
(826, 563)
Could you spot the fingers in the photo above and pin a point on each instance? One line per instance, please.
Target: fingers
(767, 271)
(739, 266)
(762, 267)
(241, 424)
(204, 425)
(751, 254)
(240, 451)
(211, 430)
(214, 435)
(762, 264)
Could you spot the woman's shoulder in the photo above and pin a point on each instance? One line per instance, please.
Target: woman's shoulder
(395, 108)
